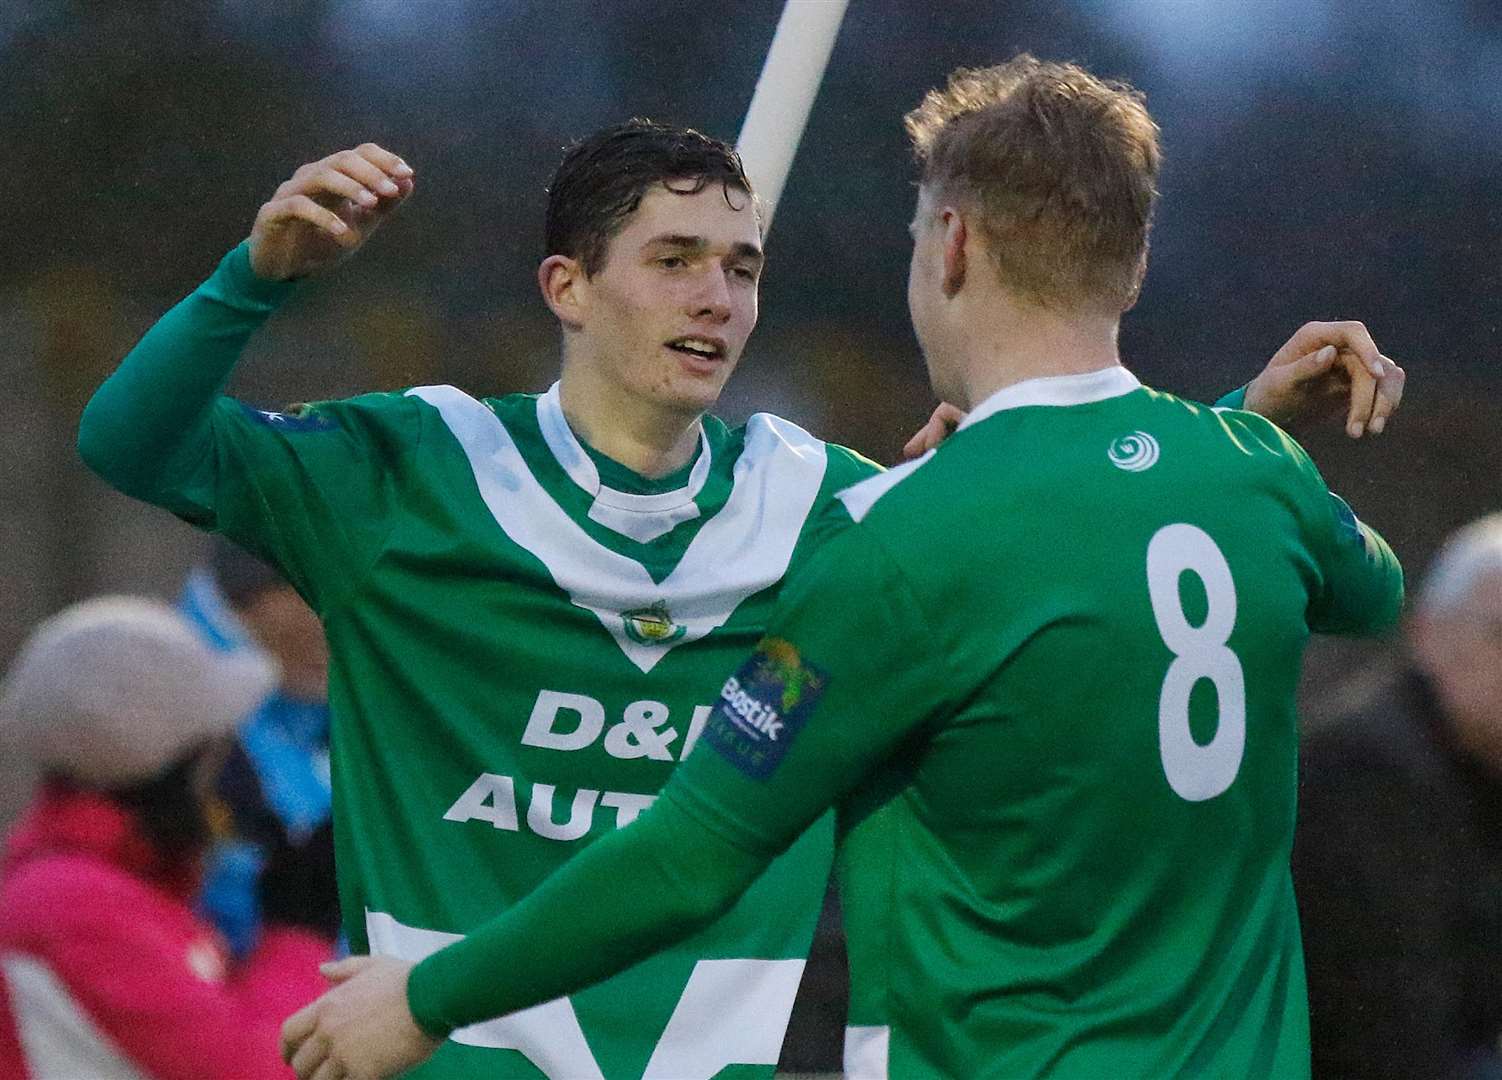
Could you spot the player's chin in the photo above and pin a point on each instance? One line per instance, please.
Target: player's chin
(697, 385)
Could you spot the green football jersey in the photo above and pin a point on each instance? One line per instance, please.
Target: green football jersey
(1049, 677)
(525, 639)
(520, 655)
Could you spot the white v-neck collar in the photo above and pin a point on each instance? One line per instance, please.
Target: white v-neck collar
(1057, 390)
(742, 549)
(641, 517)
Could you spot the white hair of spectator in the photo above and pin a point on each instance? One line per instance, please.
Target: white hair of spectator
(1472, 553)
(111, 691)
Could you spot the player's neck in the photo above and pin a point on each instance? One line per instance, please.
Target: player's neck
(1022, 342)
(646, 438)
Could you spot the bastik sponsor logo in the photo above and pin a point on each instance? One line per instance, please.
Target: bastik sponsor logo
(652, 625)
(748, 711)
(763, 705)
(1136, 452)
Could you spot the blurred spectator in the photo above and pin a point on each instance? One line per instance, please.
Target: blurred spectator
(107, 970)
(1398, 859)
(273, 792)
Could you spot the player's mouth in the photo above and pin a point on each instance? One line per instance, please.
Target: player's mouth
(701, 354)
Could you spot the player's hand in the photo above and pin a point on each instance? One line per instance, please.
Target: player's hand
(940, 426)
(1327, 368)
(326, 211)
(361, 1028)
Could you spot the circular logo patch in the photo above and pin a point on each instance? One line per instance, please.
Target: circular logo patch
(1134, 452)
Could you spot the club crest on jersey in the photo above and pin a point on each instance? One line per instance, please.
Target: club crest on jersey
(652, 625)
(1136, 452)
(762, 706)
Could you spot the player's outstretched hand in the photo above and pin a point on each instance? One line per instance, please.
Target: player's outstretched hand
(326, 211)
(361, 1028)
(939, 427)
(1325, 369)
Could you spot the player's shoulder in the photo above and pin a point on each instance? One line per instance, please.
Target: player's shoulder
(442, 395)
(765, 435)
(376, 409)
(859, 498)
(1238, 434)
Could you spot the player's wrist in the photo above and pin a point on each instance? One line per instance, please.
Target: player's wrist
(425, 983)
(244, 284)
(1238, 399)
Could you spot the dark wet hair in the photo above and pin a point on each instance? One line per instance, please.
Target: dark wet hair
(602, 178)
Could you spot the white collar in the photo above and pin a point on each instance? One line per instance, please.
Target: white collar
(1058, 390)
(641, 517)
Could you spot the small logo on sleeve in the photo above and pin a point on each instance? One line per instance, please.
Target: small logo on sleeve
(1136, 452)
(298, 418)
(762, 706)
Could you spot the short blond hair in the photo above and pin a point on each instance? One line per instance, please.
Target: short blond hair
(1061, 167)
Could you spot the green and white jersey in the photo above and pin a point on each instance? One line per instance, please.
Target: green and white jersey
(1048, 677)
(524, 643)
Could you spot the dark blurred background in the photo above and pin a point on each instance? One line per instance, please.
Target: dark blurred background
(1325, 159)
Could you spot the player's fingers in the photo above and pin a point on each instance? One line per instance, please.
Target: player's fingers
(1352, 337)
(309, 1056)
(1363, 397)
(360, 168)
(1312, 365)
(940, 425)
(387, 206)
(951, 416)
(303, 208)
(340, 970)
(326, 180)
(1389, 395)
(296, 1029)
(330, 1070)
(390, 164)
(924, 439)
(404, 187)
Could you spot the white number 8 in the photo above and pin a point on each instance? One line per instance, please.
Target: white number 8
(1196, 772)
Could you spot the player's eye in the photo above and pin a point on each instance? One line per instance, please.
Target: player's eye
(672, 262)
(745, 273)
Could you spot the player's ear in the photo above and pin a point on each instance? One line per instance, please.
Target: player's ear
(955, 234)
(563, 283)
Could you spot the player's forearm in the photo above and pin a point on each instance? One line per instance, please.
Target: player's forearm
(1364, 580)
(149, 422)
(625, 897)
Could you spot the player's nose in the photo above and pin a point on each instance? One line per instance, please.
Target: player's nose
(711, 299)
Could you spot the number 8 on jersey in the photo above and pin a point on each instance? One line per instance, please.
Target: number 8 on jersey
(1196, 772)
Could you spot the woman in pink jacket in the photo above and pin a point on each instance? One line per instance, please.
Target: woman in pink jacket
(106, 970)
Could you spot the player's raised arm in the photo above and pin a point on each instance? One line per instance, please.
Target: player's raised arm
(146, 428)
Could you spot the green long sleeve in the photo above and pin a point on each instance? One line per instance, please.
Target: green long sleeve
(1236, 399)
(620, 900)
(147, 428)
